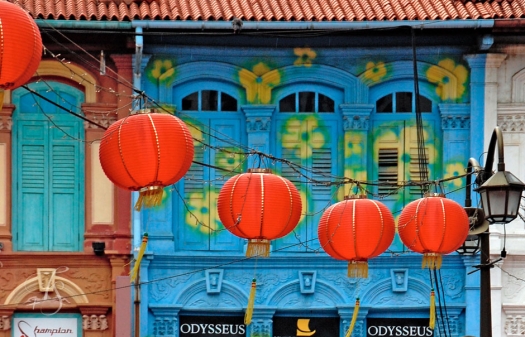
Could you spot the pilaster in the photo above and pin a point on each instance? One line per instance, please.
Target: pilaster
(258, 127)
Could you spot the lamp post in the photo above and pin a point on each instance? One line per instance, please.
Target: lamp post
(500, 197)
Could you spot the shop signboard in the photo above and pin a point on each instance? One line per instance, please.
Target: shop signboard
(398, 327)
(41, 325)
(304, 326)
(212, 326)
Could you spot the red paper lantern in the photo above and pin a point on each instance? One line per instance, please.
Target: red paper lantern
(259, 206)
(146, 152)
(356, 230)
(433, 226)
(20, 47)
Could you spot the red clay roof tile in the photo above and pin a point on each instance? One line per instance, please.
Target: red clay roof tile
(273, 10)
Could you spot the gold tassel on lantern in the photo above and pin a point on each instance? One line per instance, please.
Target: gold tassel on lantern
(258, 247)
(251, 301)
(432, 322)
(358, 269)
(432, 261)
(354, 318)
(150, 196)
(135, 271)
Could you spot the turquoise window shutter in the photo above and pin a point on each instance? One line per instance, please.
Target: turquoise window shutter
(31, 170)
(48, 170)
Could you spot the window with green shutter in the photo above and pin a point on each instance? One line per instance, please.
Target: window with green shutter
(48, 169)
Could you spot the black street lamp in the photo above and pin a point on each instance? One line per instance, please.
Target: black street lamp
(500, 194)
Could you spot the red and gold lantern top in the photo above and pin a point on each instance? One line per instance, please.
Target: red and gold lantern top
(146, 152)
(259, 206)
(20, 47)
(356, 229)
(433, 226)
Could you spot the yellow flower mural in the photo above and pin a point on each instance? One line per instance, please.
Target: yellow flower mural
(375, 71)
(303, 135)
(448, 88)
(259, 83)
(306, 55)
(200, 210)
(162, 70)
(229, 159)
(454, 170)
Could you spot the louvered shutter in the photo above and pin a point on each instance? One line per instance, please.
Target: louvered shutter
(311, 144)
(30, 209)
(65, 201)
(202, 185)
(195, 230)
(228, 136)
(48, 170)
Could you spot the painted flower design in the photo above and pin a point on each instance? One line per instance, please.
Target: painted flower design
(305, 56)
(303, 136)
(259, 83)
(375, 71)
(447, 89)
(454, 170)
(199, 212)
(229, 159)
(161, 70)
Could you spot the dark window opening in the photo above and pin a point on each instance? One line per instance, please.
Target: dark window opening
(326, 104)
(425, 105)
(228, 103)
(287, 104)
(209, 101)
(191, 102)
(384, 104)
(403, 102)
(307, 101)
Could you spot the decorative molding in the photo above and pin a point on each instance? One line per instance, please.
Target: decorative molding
(455, 122)
(307, 281)
(258, 117)
(518, 87)
(399, 280)
(214, 280)
(165, 326)
(454, 116)
(46, 279)
(94, 322)
(511, 117)
(6, 123)
(5, 323)
(514, 324)
(356, 116)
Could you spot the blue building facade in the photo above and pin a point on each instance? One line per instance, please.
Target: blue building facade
(320, 108)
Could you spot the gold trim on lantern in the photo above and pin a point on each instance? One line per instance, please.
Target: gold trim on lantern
(258, 247)
(358, 269)
(149, 196)
(144, 111)
(259, 170)
(432, 261)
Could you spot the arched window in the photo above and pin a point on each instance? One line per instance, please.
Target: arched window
(217, 126)
(307, 133)
(306, 101)
(209, 100)
(393, 134)
(48, 169)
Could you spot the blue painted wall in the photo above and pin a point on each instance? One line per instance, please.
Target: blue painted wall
(194, 267)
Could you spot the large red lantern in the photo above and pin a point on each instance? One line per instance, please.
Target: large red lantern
(433, 226)
(259, 206)
(356, 229)
(20, 47)
(146, 152)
